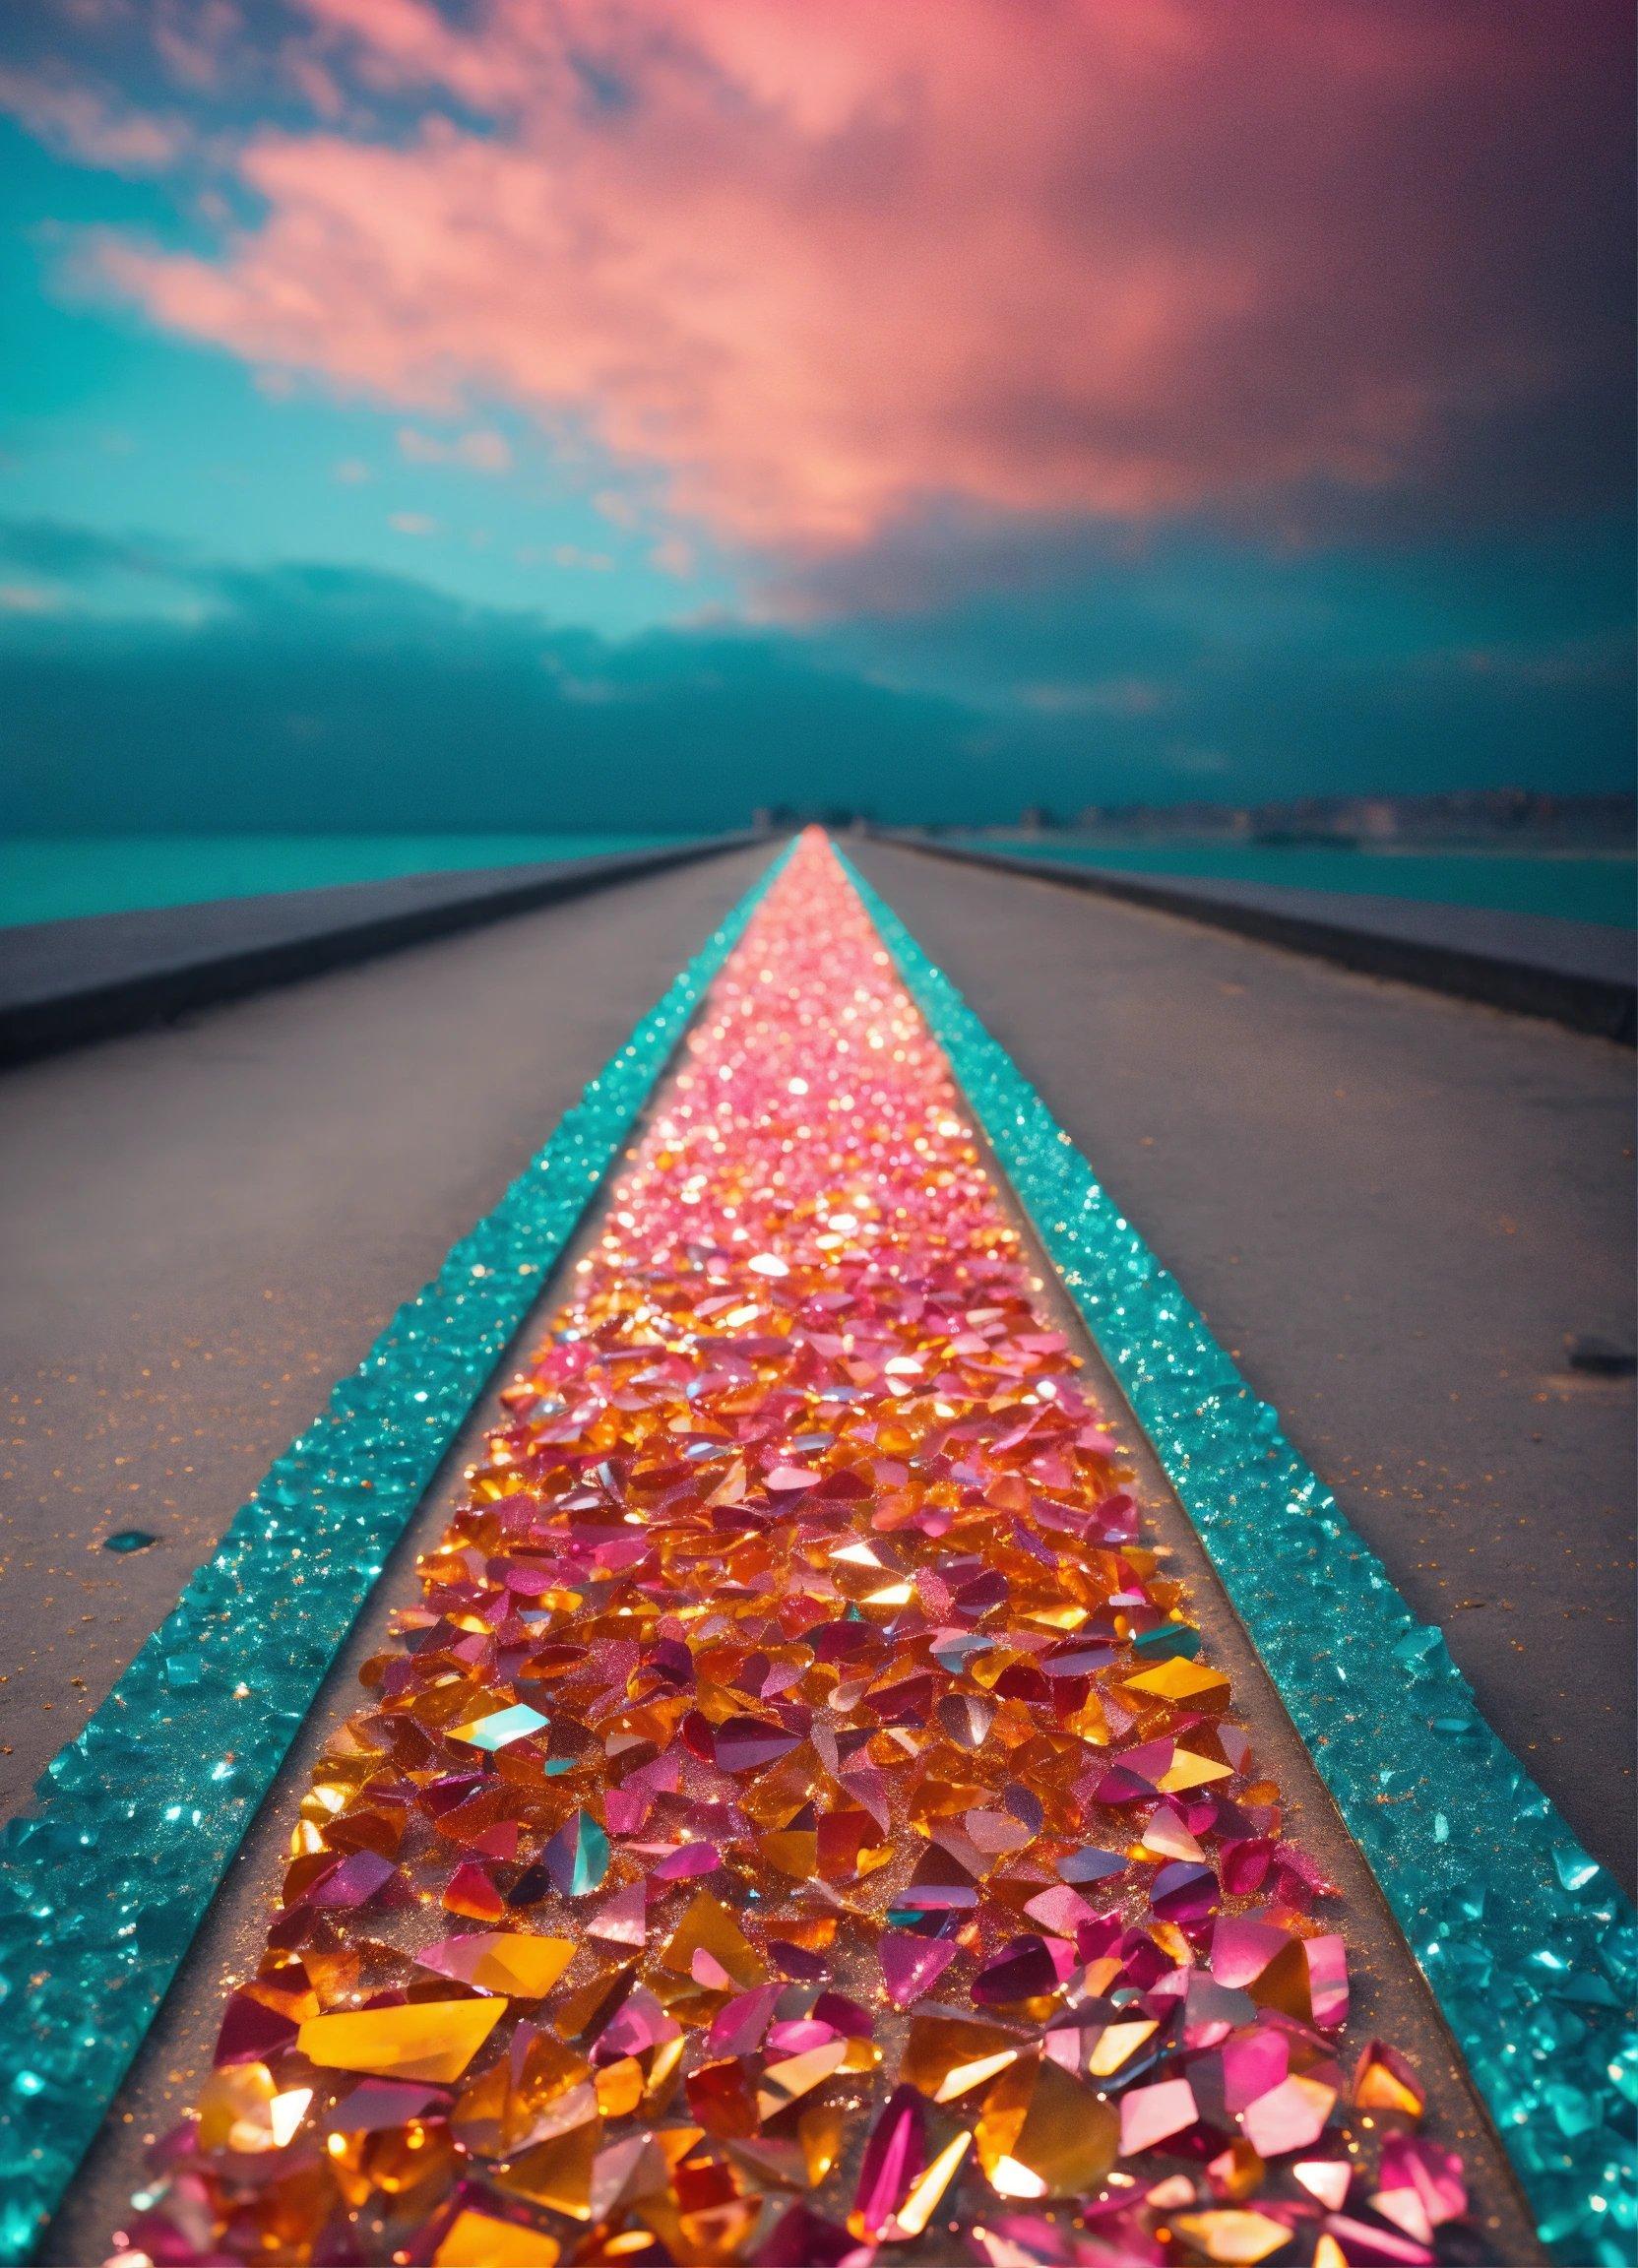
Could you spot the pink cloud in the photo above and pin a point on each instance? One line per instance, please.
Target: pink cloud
(479, 452)
(86, 124)
(28, 598)
(816, 267)
(198, 40)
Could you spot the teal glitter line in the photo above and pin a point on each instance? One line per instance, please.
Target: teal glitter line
(104, 1884)
(1530, 1947)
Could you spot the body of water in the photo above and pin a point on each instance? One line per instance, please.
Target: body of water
(56, 879)
(1573, 885)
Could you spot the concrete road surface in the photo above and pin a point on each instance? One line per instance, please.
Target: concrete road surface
(204, 1226)
(1391, 1207)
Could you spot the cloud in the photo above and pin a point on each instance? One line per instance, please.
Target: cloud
(1104, 696)
(62, 551)
(354, 700)
(823, 271)
(361, 699)
(481, 452)
(676, 556)
(199, 44)
(85, 123)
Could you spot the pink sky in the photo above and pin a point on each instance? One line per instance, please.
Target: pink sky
(819, 264)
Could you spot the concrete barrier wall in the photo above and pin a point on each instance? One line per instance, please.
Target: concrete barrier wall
(65, 983)
(1576, 973)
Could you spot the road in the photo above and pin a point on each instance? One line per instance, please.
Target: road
(207, 1224)
(1391, 1207)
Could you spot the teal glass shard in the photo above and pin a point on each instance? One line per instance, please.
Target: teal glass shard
(501, 1728)
(577, 1856)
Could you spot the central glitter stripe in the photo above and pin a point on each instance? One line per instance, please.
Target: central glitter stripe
(798, 1820)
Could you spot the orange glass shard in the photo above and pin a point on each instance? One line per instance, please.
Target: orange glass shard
(1239, 2239)
(557, 2174)
(241, 2108)
(1385, 2081)
(1043, 2134)
(475, 2237)
(541, 2087)
(820, 2132)
(947, 2056)
(708, 1928)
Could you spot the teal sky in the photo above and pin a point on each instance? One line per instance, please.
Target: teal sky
(114, 427)
(629, 416)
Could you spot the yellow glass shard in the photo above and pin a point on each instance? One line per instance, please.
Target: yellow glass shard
(1238, 2173)
(619, 2087)
(1178, 1680)
(512, 1960)
(1286, 1983)
(1379, 2087)
(929, 2187)
(431, 2040)
(1188, 1769)
(1117, 2044)
(797, 2075)
(240, 2109)
(1239, 2239)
